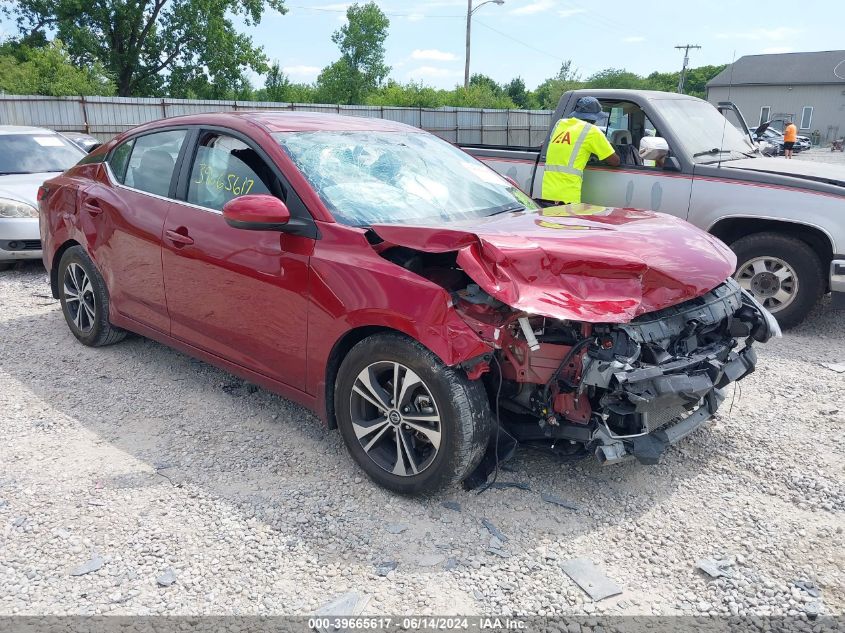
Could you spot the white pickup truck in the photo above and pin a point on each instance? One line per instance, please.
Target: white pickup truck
(784, 219)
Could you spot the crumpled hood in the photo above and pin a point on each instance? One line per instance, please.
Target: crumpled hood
(810, 170)
(23, 187)
(579, 262)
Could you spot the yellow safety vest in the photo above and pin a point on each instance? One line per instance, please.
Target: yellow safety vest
(564, 172)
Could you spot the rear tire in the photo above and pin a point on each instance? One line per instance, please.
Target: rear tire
(85, 300)
(439, 429)
(782, 272)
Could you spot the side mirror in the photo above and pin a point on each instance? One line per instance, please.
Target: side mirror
(260, 212)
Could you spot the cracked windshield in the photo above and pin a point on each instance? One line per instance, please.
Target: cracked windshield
(369, 178)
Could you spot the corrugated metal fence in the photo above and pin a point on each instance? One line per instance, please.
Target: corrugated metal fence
(104, 117)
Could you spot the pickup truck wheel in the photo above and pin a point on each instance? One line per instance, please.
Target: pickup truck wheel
(783, 273)
(411, 423)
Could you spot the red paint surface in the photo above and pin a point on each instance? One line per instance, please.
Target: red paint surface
(272, 307)
(607, 266)
(260, 208)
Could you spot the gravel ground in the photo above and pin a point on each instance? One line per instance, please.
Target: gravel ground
(165, 471)
(822, 155)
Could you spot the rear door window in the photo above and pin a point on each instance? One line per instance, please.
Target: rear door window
(152, 161)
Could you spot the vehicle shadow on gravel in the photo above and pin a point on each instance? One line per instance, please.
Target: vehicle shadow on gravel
(199, 427)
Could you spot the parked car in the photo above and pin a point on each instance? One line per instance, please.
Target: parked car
(399, 288)
(783, 219)
(28, 156)
(86, 142)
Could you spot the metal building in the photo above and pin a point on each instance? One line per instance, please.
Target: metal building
(808, 88)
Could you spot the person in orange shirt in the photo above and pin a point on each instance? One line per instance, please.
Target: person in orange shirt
(790, 135)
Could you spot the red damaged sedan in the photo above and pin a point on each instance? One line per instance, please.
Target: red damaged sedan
(401, 289)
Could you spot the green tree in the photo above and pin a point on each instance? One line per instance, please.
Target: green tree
(615, 78)
(145, 43)
(48, 71)
(483, 81)
(518, 93)
(548, 93)
(276, 84)
(361, 68)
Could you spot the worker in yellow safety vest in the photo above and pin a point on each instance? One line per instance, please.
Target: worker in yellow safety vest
(573, 141)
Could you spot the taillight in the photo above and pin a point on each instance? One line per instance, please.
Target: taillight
(42, 193)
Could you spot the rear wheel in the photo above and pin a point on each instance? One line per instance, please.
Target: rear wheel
(783, 273)
(85, 300)
(412, 423)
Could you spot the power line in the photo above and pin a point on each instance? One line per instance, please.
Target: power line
(388, 13)
(510, 37)
(683, 77)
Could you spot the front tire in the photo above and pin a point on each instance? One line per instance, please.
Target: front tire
(85, 300)
(411, 423)
(783, 273)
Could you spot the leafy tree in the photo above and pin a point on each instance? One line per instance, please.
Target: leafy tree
(483, 81)
(48, 71)
(409, 95)
(519, 95)
(276, 84)
(143, 43)
(361, 68)
(615, 78)
(548, 93)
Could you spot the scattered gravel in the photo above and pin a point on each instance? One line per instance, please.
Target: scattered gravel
(163, 467)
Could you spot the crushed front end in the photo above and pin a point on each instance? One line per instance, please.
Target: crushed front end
(621, 390)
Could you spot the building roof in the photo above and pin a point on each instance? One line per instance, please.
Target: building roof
(784, 69)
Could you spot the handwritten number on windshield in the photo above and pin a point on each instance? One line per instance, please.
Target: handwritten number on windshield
(238, 185)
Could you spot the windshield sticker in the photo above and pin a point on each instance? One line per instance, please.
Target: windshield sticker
(49, 141)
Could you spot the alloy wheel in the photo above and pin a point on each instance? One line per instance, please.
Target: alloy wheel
(80, 303)
(771, 280)
(395, 418)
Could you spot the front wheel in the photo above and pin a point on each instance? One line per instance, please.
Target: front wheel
(783, 273)
(411, 423)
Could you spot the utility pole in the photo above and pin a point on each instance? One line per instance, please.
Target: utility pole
(470, 11)
(685, 48)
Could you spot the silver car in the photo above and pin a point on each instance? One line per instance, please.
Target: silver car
(28, 157)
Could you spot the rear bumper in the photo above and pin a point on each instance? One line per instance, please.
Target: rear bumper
(837, 283)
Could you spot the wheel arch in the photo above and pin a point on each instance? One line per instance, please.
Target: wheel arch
(730, 229)
(54, 268)
(338, 352)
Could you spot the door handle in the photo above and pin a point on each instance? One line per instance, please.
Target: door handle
(180, 239)
(92, 206)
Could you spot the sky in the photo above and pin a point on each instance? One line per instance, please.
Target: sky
(530, 38)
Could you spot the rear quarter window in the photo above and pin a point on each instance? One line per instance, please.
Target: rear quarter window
(119, 160)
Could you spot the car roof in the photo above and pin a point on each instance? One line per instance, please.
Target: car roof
(24, 129)
(275, 121)
(623, 93)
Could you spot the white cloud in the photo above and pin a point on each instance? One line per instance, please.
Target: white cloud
(433, 72)
(778, 49)
(432, 54)
(633, 39)
(415, 17)
(339, 6)
(777, 34)
(302, 71)
(538, 6)
(566, 13)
